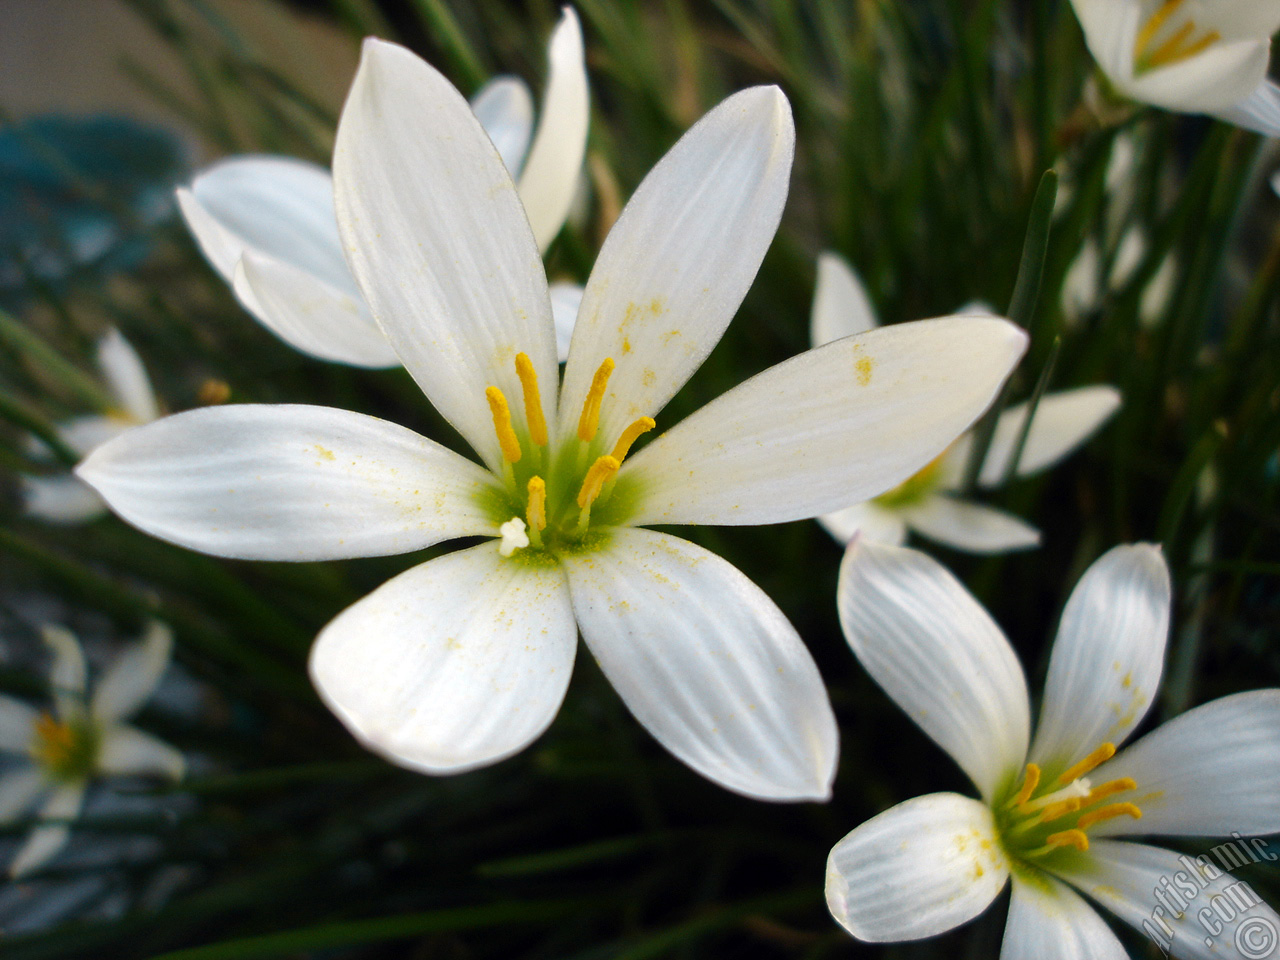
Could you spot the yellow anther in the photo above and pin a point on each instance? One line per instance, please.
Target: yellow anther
(1056, 811)
(1068, 838)
(536, 514)
(1173, 51)
(532, 399)
(597, 476)
(502, 424)
(1152, 27)
(1099, 756)
(1110, 788)
(1030, 780)
(1108, 812)
(590, 419)
(629, 436)
(54, 741)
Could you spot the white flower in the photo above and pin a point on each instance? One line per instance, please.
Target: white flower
(65, 499)
(464, 659)
(266, 223)
(1048, 811)
(82, 738)
(924, 503)
(1193, 56)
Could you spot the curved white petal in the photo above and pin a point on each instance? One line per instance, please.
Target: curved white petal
(972, 527)
(85, 434)
(1125, 877)
(60, 500)
(1212, 771)
(566, 299)
(936, 652)
(439, 243)
(833, 426)
(124, 373)
(841, 307)
(917, 870)
(678, 262)
(44, 842)
(1063, 421)
(19, 790)
(1107, 659)
(1049, 921)
(504, 107)
(127, 751)
(550, 175)
(129, 682)
(17, 725)
(870, 520)
(1259, 112)
(67, 673)
(454, 664)
(707, 663)
(311, 315)
(289, 482)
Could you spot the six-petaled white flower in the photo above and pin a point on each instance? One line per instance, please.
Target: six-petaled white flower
(1051, 805)
(266, 223)
(924, 503)
(464, 659)
(80, 739)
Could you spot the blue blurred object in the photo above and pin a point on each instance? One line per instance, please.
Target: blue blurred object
(79, 197)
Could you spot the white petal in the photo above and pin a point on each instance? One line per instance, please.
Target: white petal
(1260, 111)
(1049, 921)
(1213, 81)
(67, 673)
(127, 378)
(1125, 877)
(873, 522)
(917, 870)
(127, 751)
(45, 842)
(19, 790)
(936, 652)
(707, 663)
(17, 726)
(439, 243)
(566, 299)
(60, 500)
(504, 107)
(289, 482)
(1106, 662)
(550, 175)
(678, 262)
(86, 434)
(834, 426)
(1209, 772)
(454, 664)
(129, 682)
(309, 314)
(1063, 421)
(972, 527)
(841, 306)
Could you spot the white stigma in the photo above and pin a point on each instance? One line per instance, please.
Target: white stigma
(513, 536)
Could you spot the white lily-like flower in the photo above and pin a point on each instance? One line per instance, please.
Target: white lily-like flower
(81, 739)
(1051, 807)
(267, 225)
(64, 498)
(1192, 56)
(925, 503)
(464, 659)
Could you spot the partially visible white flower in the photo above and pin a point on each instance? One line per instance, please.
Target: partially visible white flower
(1051, 806)
(267, 224)
(67, 499)
(82, 738)
(925, 503)
(1192, 56)
(1089, 281)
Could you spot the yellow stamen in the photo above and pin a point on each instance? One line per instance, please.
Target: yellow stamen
(1148, 32)
(1110, 788)
(54, 741)
(1030, 780)
(1167, 52)
(1099, 756)
(1108, 812)
(590, 419)
(502, 424)
(536, 514)
(1068, 838)
(1171, 52)
(601, 471)
(629, 436)
(1060, 809)
(532, 399)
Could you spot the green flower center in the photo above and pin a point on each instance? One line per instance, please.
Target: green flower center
(915, 488)
(66, 751)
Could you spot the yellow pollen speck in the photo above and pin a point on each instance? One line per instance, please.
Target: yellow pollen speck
(1101, 755)
(590, 419)
(502, 424)
(597, 475)
(325, 453)
(864, 366)
(629, 436)
(1068, 838)
(532, 399)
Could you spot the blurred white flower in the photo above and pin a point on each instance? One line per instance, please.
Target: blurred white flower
(1089, 281)
(266, 223)
(66, 499)
(464, 660)
(81, 739)
(925, 503)
(1050, 806)
(1193, 56)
